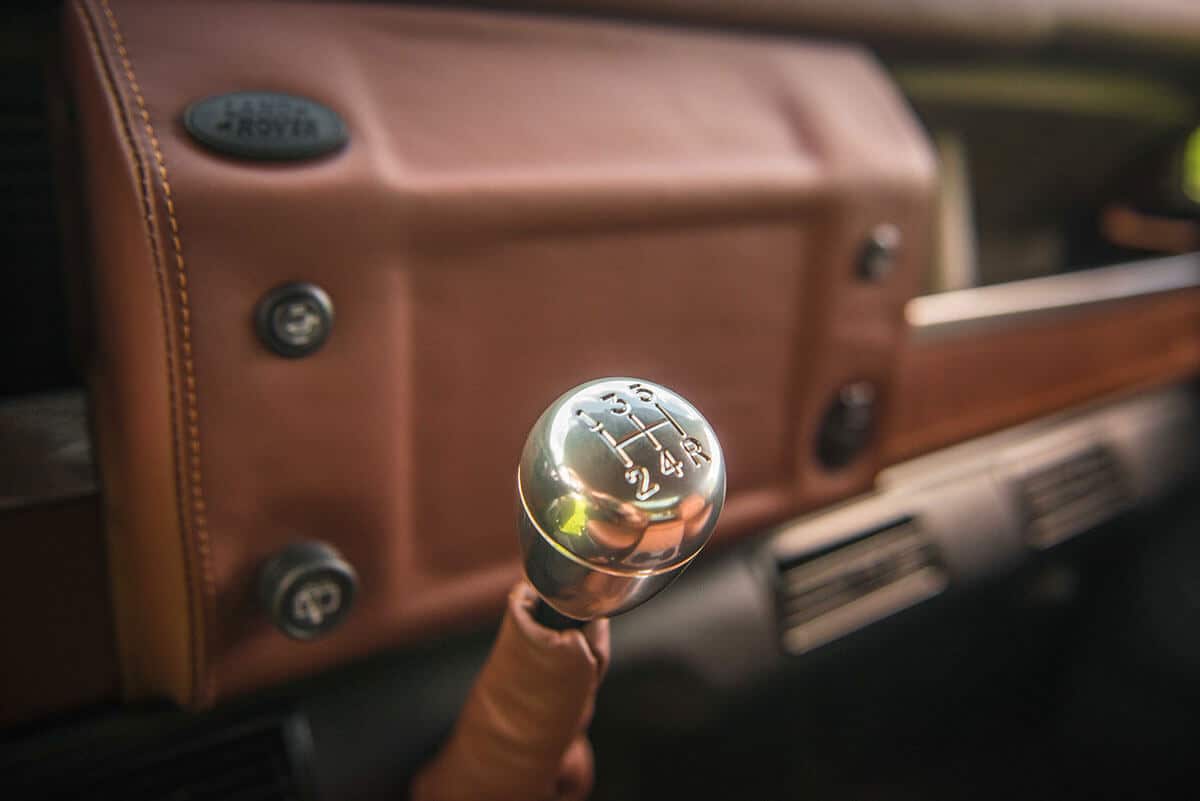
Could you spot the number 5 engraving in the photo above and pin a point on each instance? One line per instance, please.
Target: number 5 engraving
(640, 477)
(642, 393)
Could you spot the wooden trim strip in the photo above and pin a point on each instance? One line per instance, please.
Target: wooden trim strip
(951, 389)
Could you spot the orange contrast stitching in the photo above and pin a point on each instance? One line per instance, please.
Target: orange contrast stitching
(145, 187)
(199, 519)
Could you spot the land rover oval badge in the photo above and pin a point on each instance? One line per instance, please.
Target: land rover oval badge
(265, 126)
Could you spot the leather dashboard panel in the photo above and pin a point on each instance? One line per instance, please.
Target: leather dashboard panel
(523, 204)
(945, 393)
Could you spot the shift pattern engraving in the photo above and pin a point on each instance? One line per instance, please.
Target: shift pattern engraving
(635, 429)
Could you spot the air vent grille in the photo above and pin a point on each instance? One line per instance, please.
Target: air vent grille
(252, 762)
(1072, 495)
(830, 595)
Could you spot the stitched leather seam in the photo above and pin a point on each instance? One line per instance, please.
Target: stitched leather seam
(202, 689)
(159, 272)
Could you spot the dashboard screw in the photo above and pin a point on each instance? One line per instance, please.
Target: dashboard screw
(295, 320)
(878, 256)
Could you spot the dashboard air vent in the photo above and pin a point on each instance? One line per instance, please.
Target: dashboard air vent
(829, 595)
(1072, 495)
(250, 762)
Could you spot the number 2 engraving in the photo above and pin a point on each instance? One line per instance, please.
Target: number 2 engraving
(640, 477)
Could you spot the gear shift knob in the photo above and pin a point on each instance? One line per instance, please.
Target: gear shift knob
(620, 485)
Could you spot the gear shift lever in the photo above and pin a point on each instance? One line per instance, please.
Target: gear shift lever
(620, 485)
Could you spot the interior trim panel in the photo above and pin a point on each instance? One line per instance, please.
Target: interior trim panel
(965, 311)
(953, 388)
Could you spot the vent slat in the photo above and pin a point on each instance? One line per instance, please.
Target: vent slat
(1072, 495)
(827, 596)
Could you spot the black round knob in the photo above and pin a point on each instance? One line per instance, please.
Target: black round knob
(879, 252)
(307, 589)
(295, 320)
(847, 426)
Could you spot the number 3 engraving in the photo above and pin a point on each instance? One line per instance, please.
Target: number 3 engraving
(640, 477)
(622, 405)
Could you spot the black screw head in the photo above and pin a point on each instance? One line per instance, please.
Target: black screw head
(847, 426)
(307, 589)
(879, 252)
(295, 320)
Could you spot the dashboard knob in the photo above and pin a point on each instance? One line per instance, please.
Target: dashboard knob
(848, 425)
(620, 485)
(295, 320)
(307, 589)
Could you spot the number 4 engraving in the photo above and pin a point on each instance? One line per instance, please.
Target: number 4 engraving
(640, 477)
(669, 465)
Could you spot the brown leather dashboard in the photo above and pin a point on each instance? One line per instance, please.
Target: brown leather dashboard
(491, 234)
(523, 203)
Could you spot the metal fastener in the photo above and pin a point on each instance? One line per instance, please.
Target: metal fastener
(295, 320)
(307, 589)
(879, 252)
(847, 426)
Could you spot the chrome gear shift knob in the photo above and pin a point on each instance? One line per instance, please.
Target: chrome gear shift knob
(620, 485)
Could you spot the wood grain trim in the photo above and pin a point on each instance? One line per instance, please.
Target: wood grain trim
(951, 389)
